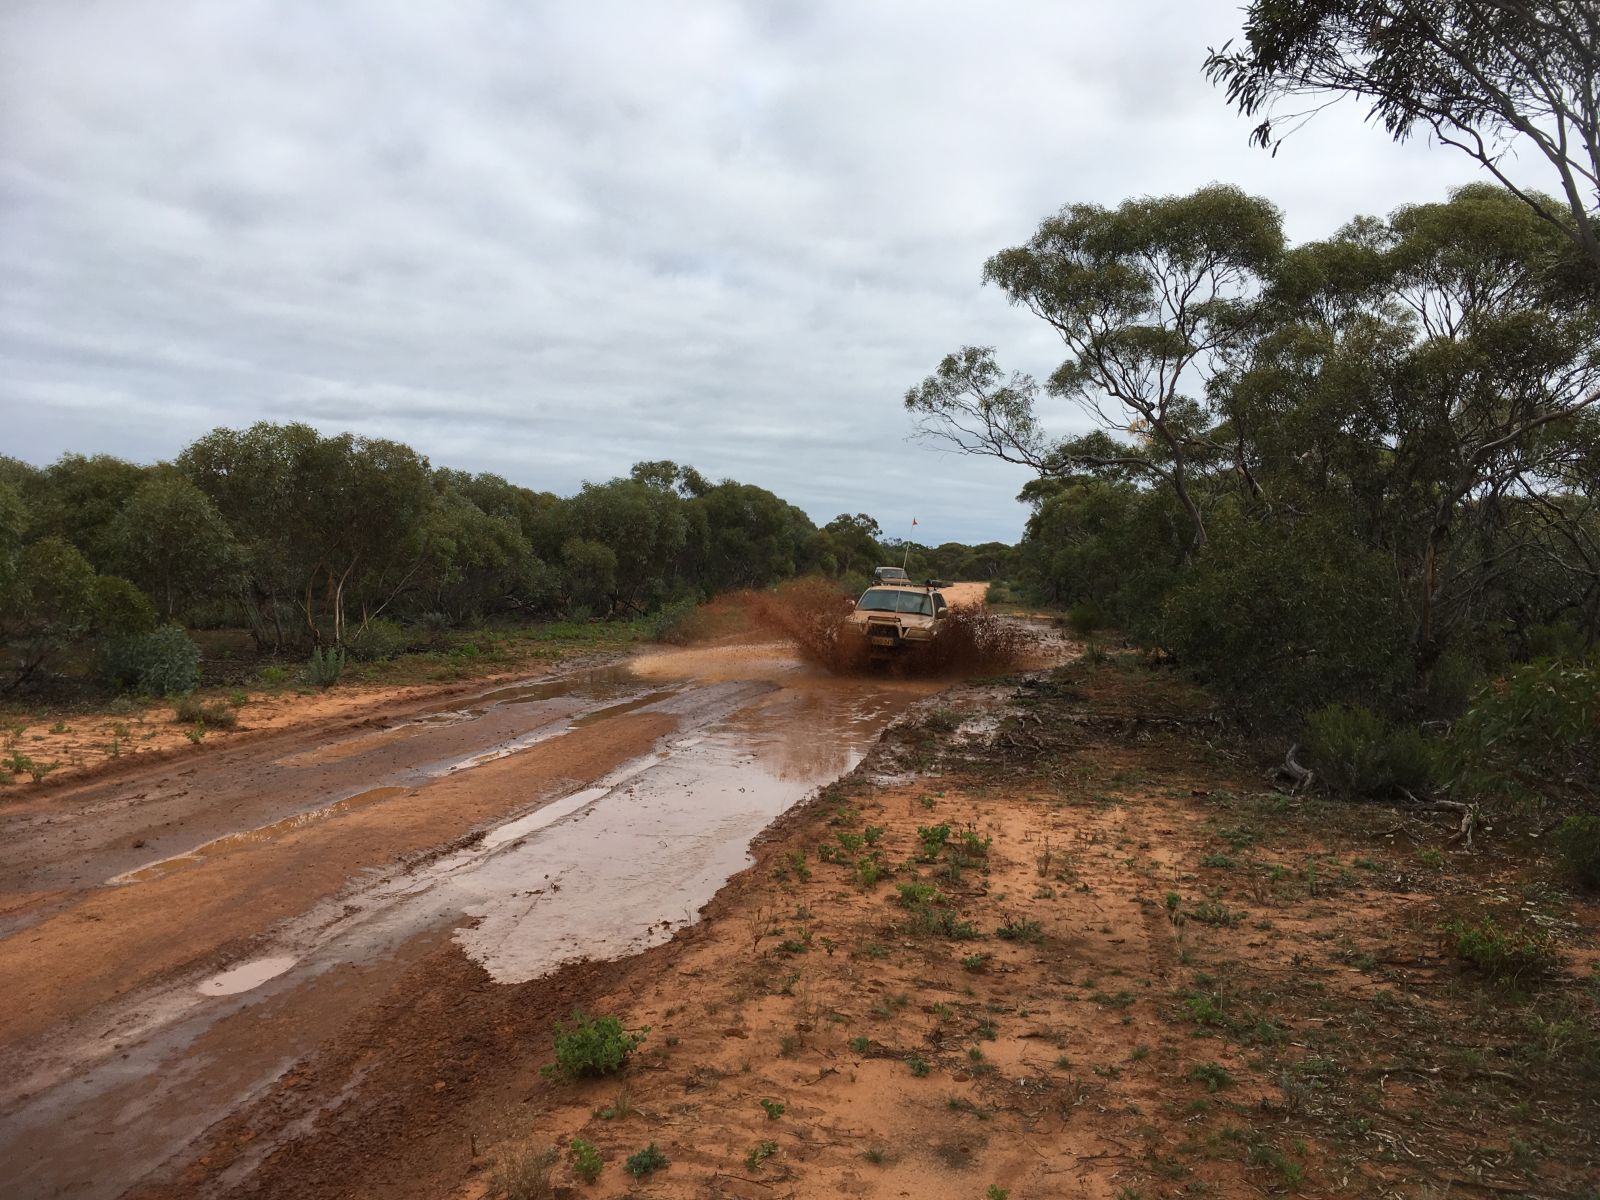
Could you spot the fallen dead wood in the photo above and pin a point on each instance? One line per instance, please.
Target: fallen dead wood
(1469, 814)
(1302, 777)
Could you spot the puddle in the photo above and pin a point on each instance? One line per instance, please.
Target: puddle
(585, 683)
(246, 976)
(618, 867)
(257, 836)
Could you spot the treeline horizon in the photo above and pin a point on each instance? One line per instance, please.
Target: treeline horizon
(311, 540)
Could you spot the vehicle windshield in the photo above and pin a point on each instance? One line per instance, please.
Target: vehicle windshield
(890, 573)
(896, 601)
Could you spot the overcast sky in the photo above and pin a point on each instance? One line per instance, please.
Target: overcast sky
(550, 240)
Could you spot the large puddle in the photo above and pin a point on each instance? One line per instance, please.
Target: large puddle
(625, 864)
(588, 868)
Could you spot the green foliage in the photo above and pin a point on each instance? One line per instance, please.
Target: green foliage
(1284, 619)
(773, 1108)
(191, 710)
(165, 662)
(1512, 955)
(325, 666)
(1539, 725)
(645, 1162)
(594, 1046)
(1084, 619)
(1212, 1075)
(378, 639)
(758, 1154)
(913, 894)
(1358, 753)
(586, 1161)
(1577, 840)
(1016, 930)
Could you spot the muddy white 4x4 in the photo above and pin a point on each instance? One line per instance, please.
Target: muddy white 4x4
(899, 616)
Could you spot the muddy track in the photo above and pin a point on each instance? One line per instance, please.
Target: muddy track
(178, 936)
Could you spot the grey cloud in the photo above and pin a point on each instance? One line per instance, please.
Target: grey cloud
(551, 240)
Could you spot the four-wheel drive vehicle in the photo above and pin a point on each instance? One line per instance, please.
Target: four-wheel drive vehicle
(896, 616)
(889, 575)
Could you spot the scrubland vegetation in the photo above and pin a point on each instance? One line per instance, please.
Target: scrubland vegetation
(1348, 485)
(328, 549)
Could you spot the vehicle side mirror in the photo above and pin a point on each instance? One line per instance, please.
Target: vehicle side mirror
(941, 610)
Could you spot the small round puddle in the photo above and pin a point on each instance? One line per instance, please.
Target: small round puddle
(245, 976)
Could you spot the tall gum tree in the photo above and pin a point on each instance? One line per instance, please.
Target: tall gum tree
(1150, 300)
(1487, 77)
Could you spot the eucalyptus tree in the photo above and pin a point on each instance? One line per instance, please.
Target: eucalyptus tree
(1487, 77)
(170, 539)
(1151, 299)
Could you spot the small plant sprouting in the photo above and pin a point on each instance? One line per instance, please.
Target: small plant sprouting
(1020, 931)
(586, 1160)
(1215, 1077)
(933, 839)
(860, 1044)
(976, 962)
(919, 1066)
(620, 1106)
(874, 1155)
(645, 1161)
(996, 1192)
(773, 1108)
(912, 894)
(759, 1153)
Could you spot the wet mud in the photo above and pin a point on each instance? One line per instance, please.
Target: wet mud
(174, 940)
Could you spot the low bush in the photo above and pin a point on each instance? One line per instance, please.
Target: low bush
(594, 1046)
(325, 667)
(1284, 619)
(680, 624)
(1084, 619)
(379, 639)
(522, 1172)
(215, 714)
(586, 1161)
(1512, 955)
(1535, 732)
(1358, 753)
(645, 1161)
(164, 662)
(1577, 839)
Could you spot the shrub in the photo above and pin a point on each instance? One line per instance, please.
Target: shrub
(164, 662)
(1540, 728)
(379, 639)
(645, 1161)
(594, 1045)
(586, 1160)
(1358, 753)
(679, 624)
(1578, 841)
(522, 1172)
(997, 593)
(325, 667)
(1084, 619)
(1506, 954)
(1284, 618)
(191, 710)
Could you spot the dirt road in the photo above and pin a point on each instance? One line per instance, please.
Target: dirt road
(174, 937)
